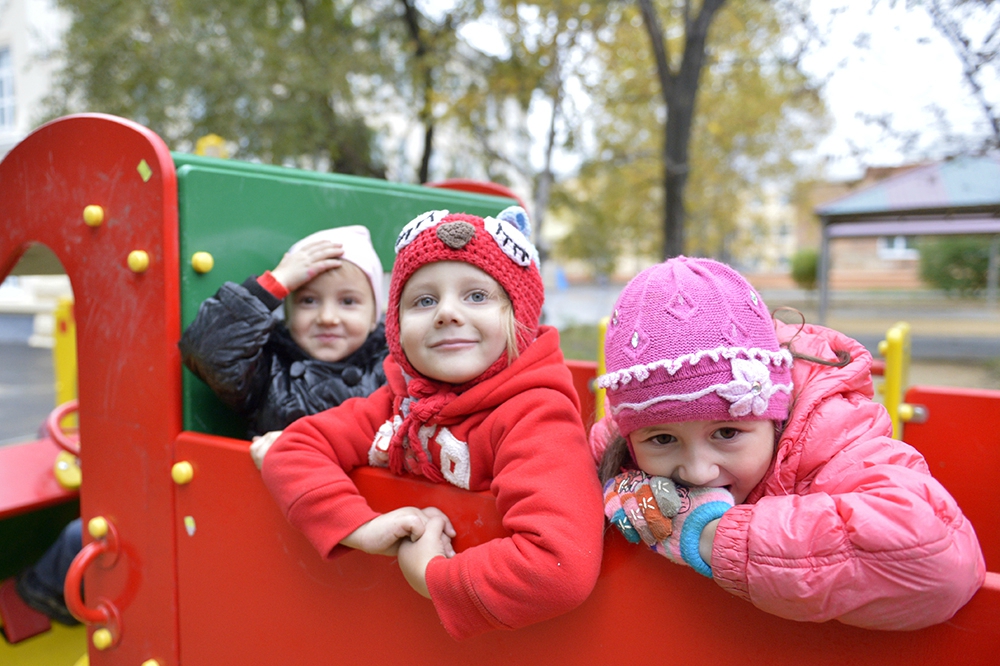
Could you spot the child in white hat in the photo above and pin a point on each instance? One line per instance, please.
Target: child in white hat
(329, 348)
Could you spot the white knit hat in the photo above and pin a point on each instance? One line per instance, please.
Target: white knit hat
(358, 250)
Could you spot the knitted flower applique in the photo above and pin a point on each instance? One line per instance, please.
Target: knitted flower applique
(750, 389)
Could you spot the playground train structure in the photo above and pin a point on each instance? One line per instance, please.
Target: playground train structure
(187, 560)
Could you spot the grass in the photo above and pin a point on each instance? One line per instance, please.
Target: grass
(579, 342)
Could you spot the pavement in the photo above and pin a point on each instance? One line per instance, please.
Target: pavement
(942, 328)
(948, 336)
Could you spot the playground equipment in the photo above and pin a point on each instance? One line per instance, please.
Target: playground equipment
(188, 560)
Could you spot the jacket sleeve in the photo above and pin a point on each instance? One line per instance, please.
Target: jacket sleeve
(550, 501)
(306, 470)
(866, 536)
(225, 344)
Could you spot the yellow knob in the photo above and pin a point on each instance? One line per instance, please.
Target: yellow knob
(883, 347)
(103, 639)
(93, 216)
(202, 262)
(98, 527)
(138, 261)
(906, 412)
(182, 472)
(150, 662)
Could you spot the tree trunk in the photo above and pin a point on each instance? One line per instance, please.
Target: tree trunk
(679, 90)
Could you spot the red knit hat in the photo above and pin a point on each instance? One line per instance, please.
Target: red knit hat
(498, 246)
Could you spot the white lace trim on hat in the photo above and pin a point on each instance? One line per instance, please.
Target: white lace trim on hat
(613, 380)
(749, 392)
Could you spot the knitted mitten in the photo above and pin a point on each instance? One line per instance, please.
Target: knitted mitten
(699, 506)
(666, 517)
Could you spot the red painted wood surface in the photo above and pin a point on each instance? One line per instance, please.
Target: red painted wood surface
(128, 324)
(253, 591)
(26, 479)
(961, 442)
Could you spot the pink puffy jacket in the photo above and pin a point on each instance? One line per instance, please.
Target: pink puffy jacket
(848, 524)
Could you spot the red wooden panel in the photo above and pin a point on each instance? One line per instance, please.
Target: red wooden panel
(584, 373)
(961, 442)
(26, 479)
(128, 324)
(253, 591)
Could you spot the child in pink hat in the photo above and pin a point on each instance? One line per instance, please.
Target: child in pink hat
(479, 397)
(753, 453)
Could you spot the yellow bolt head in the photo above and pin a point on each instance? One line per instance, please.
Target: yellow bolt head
(103, 639)
(138, 261)
(98, 527)
(182, 473)
(202, 262)
(93, 216)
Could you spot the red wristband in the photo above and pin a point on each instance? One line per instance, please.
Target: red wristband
(269, 282)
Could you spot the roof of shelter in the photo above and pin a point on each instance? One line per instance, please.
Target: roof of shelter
(962, 183)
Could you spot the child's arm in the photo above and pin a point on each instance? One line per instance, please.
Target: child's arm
(548, 496)
(224, 345)
(307, 469)
(385, 535)
(852, 527)
(416, 553)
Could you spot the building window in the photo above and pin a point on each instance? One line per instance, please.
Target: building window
(897, 247)
(6, 90)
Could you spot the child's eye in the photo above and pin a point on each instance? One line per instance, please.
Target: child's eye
(425, 302)
(306, 300)
(349, 300)
(726, 433)
(478, 296)
(663, 439)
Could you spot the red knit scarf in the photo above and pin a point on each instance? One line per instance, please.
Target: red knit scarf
(427, 399)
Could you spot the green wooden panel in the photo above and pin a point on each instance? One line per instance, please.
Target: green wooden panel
(247, 215)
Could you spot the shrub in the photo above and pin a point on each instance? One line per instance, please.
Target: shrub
(955, 263)
(805, 268)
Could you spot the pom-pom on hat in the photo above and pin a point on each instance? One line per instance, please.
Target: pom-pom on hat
(691, 340)
(358, 249)
(500, 247)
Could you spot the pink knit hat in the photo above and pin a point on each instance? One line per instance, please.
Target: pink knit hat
(358, 249)
(691, 340)
(500, 247)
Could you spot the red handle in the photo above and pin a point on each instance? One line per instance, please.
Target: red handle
(104, 613)
(67, 442)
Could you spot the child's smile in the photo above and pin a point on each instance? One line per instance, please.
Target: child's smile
(451, 321)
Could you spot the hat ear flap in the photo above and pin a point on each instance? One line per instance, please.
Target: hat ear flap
(515, 215)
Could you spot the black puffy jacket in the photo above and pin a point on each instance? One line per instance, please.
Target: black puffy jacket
(248, 358)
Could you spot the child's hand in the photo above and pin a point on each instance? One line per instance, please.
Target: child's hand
(415, 555)
(261, 445)
(381, 535)
(670, 519)
(299, 267)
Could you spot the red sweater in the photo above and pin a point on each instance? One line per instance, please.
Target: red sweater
(525, 443)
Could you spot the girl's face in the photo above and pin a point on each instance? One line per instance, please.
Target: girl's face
(331, 316)
(452, 321)
(730, 454)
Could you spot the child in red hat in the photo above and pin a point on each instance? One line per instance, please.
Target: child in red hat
(478, 396)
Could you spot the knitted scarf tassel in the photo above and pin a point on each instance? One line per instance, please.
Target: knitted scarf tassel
(427, 399)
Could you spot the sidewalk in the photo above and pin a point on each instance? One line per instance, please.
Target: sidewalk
(941, 328)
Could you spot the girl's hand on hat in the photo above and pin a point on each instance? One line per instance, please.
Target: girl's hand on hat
(381, 535)
(297, 268)
(416, 554)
